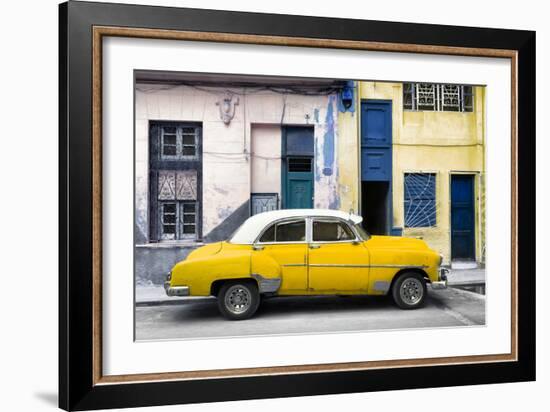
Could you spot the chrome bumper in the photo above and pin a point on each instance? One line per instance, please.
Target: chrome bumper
(442, 282)
(175, 290)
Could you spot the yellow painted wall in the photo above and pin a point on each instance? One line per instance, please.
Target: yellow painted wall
(348, 159)
(439, 142)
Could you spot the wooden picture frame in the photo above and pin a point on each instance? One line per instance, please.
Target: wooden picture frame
(82, 28)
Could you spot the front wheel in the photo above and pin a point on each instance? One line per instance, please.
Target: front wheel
(238, 300)
(409, 291)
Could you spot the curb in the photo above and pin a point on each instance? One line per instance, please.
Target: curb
(467, 292)
(183, 301)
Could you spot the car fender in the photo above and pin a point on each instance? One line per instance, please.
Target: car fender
(267, 272)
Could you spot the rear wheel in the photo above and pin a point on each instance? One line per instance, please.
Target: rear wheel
(409, 290)
(238, 300)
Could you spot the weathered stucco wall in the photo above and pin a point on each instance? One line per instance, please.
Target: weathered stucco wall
(439, 142)
(228, 165)
(348, 150)
(227, 148)
(266, 159)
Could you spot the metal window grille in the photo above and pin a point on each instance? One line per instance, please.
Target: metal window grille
(438, 97)
(299, 164)
(420, 201)
(188, 220)
(168, 220)
(451, 98)
(426, 96)
(264, 202)
(178, 220)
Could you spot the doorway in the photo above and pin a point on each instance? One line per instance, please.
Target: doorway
(462, 217)
(297, 167)
(376, 166)
(376, 216)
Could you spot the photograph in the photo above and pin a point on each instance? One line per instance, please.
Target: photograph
(274, 205)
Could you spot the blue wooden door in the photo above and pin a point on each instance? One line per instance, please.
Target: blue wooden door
(462, 217)
(376, 141)
(376, 166)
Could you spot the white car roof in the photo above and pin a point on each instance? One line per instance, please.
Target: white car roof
(249, 231)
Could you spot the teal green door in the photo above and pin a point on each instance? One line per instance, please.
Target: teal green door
(297, 167)
(299, 188)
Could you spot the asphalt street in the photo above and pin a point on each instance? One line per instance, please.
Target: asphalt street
(199, 318)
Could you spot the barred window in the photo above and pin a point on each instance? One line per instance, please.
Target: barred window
(175, 165)
(420, 205)
(178, 143)
(178, 220)
(438, 97)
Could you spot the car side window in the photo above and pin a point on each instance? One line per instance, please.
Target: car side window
(268, 235)
(294, 231)
(326, 231)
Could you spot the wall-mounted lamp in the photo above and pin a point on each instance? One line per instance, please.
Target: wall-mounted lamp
(346, 97)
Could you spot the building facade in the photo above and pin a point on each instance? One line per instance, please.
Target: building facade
(212, 150)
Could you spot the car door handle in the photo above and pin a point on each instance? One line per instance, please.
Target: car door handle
(314, 246)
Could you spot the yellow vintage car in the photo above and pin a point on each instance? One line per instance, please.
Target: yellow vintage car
(306, 252)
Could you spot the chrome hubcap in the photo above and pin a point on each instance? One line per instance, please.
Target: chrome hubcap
(411, 291)
(238, 299)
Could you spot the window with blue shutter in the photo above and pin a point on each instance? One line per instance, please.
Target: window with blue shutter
(420, 210)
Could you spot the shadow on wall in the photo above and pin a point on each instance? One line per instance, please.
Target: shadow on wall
(231, 223)
(152, 264)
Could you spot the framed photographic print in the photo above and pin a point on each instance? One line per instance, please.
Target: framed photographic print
(257, 205)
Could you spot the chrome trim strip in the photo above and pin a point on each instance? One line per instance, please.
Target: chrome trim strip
(367, 266)
(401, 266)
(294, 264)
(337, 265)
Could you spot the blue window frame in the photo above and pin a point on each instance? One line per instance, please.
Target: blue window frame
(420, 208)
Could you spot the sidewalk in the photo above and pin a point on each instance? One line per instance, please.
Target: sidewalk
(462, 277)
(148, 295)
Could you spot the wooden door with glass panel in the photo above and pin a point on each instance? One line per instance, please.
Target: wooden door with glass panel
(338, 260)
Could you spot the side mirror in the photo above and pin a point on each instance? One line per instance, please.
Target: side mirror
(257, 247)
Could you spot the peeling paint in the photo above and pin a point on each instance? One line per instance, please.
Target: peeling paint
(334, 201)
(328, 146)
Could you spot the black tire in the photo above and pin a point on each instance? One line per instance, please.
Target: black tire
(238, 300)
(409, 291)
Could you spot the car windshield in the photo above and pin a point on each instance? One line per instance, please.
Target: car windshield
(362, 232)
